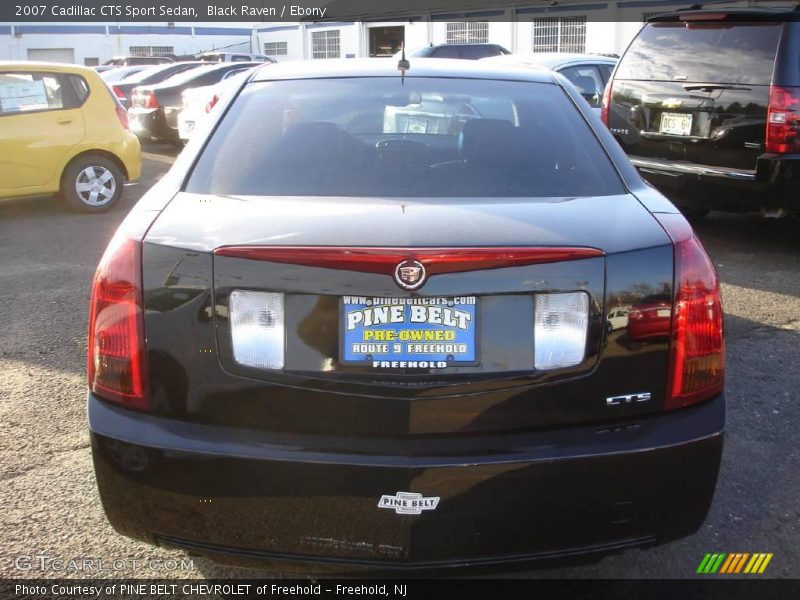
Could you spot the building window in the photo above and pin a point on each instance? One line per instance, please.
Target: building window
(150, 50)
(468, 32)
(325, 44)
(276, 48)
(559, 34)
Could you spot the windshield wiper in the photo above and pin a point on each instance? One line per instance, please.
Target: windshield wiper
(714, 86)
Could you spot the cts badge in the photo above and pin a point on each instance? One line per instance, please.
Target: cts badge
(408, 503)
(410, 274)
(629, 399)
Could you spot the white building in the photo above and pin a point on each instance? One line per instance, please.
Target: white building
(602, 26)
(94, 43)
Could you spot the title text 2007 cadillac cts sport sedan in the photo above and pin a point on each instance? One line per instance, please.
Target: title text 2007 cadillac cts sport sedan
(363, 321)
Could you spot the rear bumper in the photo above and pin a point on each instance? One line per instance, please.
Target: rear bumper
(775, 183)
(245, 496)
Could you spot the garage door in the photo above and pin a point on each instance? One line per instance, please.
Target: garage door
(59, 55)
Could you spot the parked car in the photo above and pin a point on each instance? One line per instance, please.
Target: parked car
(148, 76)
(126, 61)
(234, 57)
(588, 72)
(199, 102)
(154, 108)
(617, 319)
(61, 131)
(463, 51)
(707, 105)
(650, 318)
(119, 73)
(386, 348)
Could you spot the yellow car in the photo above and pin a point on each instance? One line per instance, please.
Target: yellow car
(62, 131)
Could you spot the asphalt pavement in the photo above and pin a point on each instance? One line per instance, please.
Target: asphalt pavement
(50, 506)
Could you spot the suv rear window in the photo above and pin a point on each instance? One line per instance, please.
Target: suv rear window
(428, 137)
(722, 52)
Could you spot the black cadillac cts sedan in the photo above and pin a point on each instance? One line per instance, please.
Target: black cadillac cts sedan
(367, 319)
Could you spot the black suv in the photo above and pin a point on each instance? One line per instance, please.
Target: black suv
(465, 51)
(707, 106)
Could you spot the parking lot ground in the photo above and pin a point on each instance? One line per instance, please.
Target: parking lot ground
(47, 490)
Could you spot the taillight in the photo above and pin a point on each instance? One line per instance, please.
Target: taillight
(122, 115)
(212, 103)
(118, 92)
(699, 16)
(783, 120)
(604, 107)
(150, 100)
(697, 349)
(117, 367)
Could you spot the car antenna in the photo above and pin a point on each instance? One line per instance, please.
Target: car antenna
(403, 65)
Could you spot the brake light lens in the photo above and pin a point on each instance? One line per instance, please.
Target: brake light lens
(697, 349)
(699, 16)
(604, 107)
(117, 368)
(118, 92)
(122, 115)
(783, 120)
(385, 260)
(150, 100)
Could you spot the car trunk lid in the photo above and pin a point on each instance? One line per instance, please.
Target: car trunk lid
(316, 390)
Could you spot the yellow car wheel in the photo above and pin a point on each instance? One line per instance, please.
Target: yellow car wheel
(92, 184)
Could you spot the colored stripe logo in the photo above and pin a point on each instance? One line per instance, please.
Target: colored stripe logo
(734, 563)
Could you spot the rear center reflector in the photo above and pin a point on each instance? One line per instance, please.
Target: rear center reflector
(385, 260)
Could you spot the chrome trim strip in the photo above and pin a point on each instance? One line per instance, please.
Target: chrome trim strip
(670, 168)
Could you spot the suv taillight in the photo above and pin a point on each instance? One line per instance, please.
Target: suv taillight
(605, 106)
(118, 92)
(150, 100)
(697, 348)
(117, 367)
(783, 120)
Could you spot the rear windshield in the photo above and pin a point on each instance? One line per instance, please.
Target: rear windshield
(703, 52)
(427, 137)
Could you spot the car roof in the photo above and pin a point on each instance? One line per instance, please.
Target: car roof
(52, 67)
(550, 60)
(382, 67)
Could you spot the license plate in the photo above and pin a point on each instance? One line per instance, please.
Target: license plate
(676, 123)
(663, 312)
(407, 333)
(186, 129)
